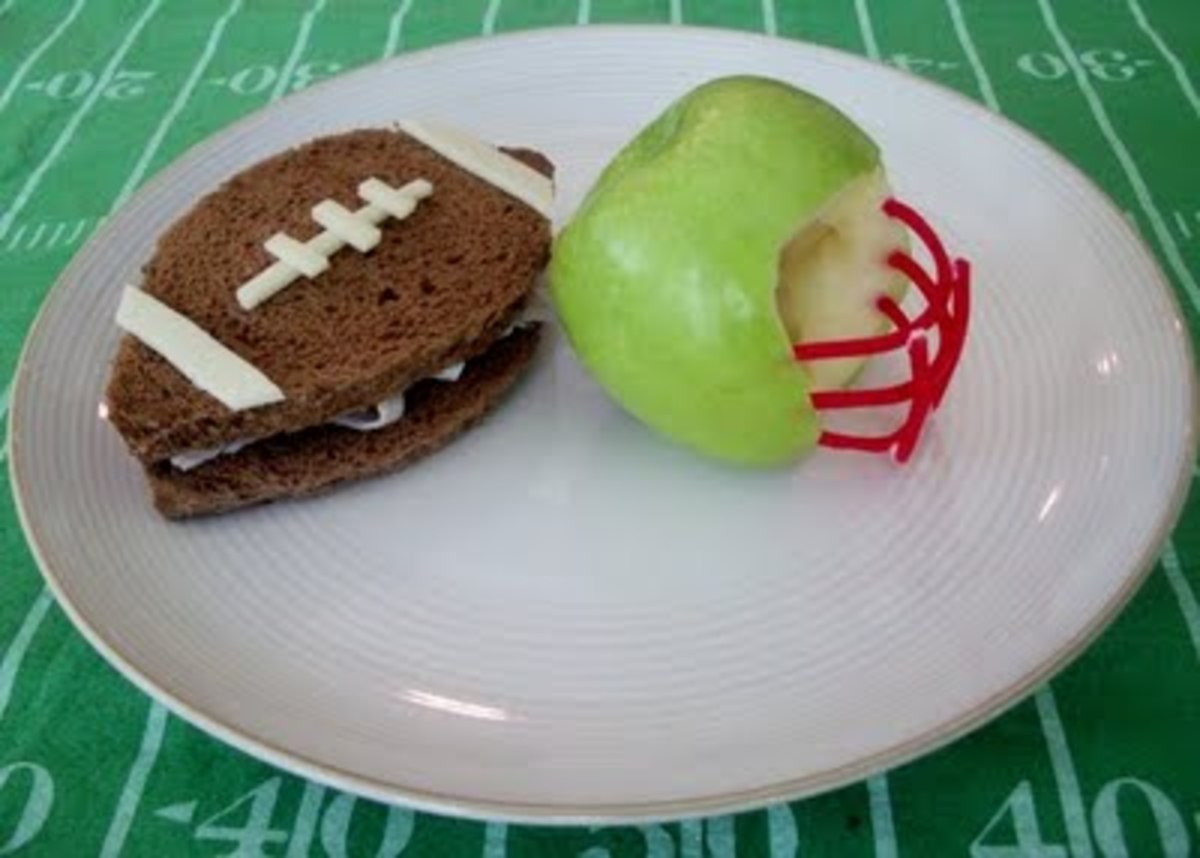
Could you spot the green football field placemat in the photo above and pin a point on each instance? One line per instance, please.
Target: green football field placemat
(96, 95)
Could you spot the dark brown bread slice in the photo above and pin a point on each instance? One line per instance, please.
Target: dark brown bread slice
(439, 288)
(317, 459)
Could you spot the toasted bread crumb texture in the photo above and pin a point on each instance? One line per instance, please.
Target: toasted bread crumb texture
(439, 288)
(315, 460)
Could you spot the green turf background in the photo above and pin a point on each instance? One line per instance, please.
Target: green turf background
(96, 95)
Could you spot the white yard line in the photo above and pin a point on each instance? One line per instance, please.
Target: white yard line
(676, 11)
(882, 824)
(44, 45)
(495, 840)
(866, 28)
(1132, 173)
(769, 19)
(489, 17)
(1188, 606)
(396, 28)
(4, 7)
(64, 138)
(982, 80)
(1063, 764)
(783, 836)
(298, 48)
(135, 782)
(584, 14)
(181, 99)
(14, 656)
(1177, 66)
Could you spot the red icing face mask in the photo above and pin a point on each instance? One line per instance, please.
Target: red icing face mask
(947, 294)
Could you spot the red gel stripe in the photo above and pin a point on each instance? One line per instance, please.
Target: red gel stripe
(910, 432)
(888, 306)
(868, 398)
(911, 219)
(947, 311)
(953, 347)
(839, 441)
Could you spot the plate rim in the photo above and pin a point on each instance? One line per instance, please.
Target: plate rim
(545, 813)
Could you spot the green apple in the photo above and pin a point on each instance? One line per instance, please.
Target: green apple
(745, 218)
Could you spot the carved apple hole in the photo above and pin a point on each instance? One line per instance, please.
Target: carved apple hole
(796, 262)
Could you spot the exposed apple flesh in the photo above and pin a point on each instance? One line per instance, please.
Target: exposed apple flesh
(743, 219)
(832, 272)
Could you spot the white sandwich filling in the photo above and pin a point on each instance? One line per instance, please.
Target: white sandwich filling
(371, 419)
(379, 416)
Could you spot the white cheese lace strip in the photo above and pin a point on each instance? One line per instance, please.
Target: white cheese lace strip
(205, 362)
(296, 254)
(488, 163)
(343, 223)
(342, 226)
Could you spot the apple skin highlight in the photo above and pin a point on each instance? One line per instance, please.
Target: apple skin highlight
(667, 278)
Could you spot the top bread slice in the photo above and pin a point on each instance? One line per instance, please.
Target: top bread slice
(440, 288)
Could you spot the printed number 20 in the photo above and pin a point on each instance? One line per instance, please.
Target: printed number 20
(38, 801)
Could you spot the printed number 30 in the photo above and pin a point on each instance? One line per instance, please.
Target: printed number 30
(1106, 65)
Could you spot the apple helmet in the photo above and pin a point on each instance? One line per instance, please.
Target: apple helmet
(736, 264)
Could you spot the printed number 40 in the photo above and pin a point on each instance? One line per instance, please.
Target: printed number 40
(250, 837)
(1106, 823)
(1019, 805)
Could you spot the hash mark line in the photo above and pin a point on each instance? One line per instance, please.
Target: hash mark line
(298, 47)
(490, 14)
(1069, 791)
(36, 53)
(1181, 75)
(396, 28)
(769, 20)
(1134, 176)
(1184, 594)
(882, 823)
(10, 665)
(968, 45)
(181, 99)
(5, 400)
(676, 11)
(64, 138)
(867, 28)
(135, 782)
(584, 15)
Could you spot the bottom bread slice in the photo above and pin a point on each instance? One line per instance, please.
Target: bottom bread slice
(312, 460)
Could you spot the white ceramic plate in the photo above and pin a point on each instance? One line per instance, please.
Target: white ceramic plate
(563, 618)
